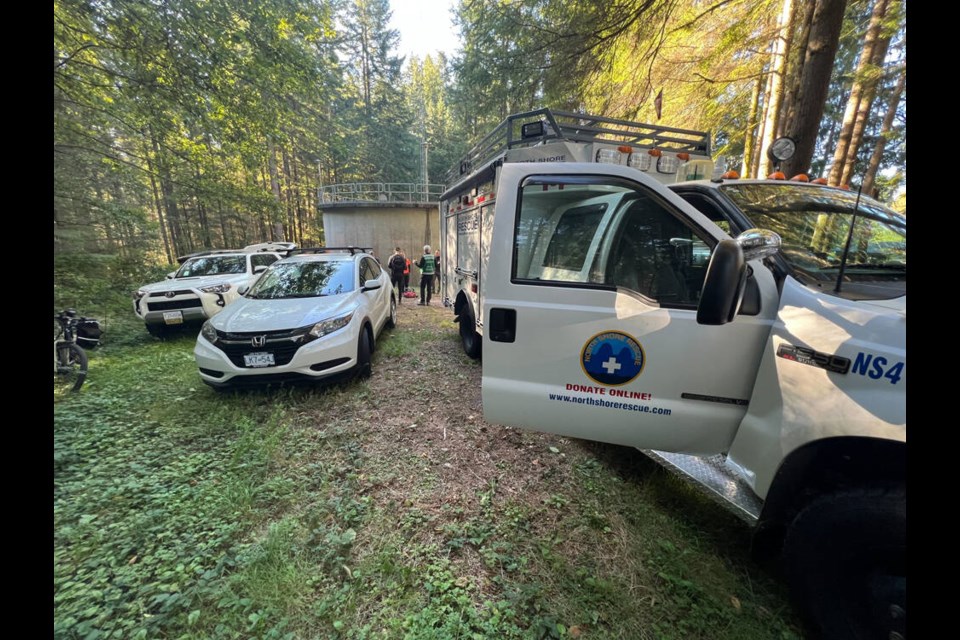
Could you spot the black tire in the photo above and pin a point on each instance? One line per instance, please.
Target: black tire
(392, 318)
(468, 334)
(71, 367)
(364, 350)
(156, 330)
(845, 560)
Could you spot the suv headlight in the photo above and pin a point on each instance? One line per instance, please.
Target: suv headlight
(217, 288)
(139, 294)
(325, 327)
(208, 332)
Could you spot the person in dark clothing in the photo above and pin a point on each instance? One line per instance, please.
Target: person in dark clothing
(397, 264)
(436, 273)
(427, 269)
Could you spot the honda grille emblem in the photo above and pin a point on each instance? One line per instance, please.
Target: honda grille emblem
(258, 341)
(170, 294)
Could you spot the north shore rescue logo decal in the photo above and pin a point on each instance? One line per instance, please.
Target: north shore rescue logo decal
(612, 358)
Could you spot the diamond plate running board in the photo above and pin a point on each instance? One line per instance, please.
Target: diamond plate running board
(708, 473)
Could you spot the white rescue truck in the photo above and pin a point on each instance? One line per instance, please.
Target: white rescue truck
(758, 348)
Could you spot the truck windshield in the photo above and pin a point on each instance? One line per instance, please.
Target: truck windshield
(814, 223)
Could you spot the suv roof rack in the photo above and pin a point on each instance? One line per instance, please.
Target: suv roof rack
(208, 252)
(352, 250)
(276, 246)
(273, 247)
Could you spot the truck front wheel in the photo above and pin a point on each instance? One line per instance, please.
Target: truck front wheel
(845, 559)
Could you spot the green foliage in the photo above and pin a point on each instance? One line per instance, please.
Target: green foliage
(614, 59)
(293, 513)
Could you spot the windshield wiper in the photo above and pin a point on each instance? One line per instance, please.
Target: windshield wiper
(865, 265)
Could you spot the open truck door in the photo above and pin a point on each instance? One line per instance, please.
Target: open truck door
(591, 323)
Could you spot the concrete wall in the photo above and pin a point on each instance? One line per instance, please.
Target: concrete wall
(384, 227)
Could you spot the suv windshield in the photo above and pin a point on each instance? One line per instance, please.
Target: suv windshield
(814, 223)
(212, 266)
(304, 280)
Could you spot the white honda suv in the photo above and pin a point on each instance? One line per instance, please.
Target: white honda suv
(310, 316)
(203, 285)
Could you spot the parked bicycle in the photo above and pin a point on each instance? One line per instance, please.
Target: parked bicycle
(69, 358)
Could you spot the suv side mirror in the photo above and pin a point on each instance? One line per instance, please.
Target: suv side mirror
(260, 268)
(371, 284)
(171, 275)
(726, 277)
(242, 289)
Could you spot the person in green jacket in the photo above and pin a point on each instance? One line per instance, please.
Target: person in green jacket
(428, 267)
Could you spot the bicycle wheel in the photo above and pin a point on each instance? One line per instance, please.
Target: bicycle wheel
(71, 367)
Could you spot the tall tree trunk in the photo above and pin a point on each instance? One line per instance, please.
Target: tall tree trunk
(124, 231)
(187, 227)
(170, 202)
(159, 206)
(814, 83)
(276, 226)
(778, 67)
(872, 75)
(803, 18)
(297, 232)
(263, 219)
(205, 238)
(98, 192)
(365, 66)
(818, 167)
(225, 237)
(874, 165)
(846, 142)
(759, 162)
(287, 195)
(750, 135)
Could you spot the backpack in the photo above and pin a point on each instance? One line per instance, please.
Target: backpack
(397, 264)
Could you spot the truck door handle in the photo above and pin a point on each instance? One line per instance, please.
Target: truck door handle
(503, 325)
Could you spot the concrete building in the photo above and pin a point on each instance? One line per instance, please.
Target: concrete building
(382, 216)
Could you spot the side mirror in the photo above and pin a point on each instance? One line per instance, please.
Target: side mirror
(758, 243)
(242, 289)
(260, 268)
(723, 285)
(726, 277)
(171, 275)
(372, 284)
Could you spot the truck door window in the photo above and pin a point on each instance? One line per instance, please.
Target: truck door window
(707, 207)
(607, 232)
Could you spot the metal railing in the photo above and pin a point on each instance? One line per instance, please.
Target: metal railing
(387, 192)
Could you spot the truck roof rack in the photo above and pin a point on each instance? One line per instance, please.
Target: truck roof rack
(540, 125)
(351, 250)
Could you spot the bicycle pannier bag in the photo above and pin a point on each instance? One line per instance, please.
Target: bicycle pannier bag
(89, 334)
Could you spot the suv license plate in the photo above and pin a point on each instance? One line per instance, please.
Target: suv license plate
(258, 359)
(173, 317)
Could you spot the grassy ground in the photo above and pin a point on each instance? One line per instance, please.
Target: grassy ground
(384, 508)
